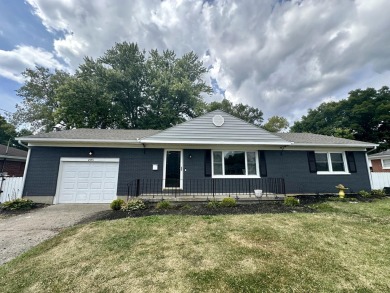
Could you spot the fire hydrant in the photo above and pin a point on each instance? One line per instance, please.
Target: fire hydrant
(341, 189)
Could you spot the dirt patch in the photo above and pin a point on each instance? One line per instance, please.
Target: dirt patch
(202, 210)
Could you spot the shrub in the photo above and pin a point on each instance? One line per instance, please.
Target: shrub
(134, 205)
(18, 204)
(163, 205)
(117, 204)
(228, 202)
(378, 193)
(364, 193)
(213, 204)
(291, 201)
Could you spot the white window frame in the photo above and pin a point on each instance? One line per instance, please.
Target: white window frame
(246, 164)
(383, 165)
(331, 172)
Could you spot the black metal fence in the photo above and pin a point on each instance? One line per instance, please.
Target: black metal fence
(256, 187)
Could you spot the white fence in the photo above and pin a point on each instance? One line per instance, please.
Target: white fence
(380, 180)
(12, 188)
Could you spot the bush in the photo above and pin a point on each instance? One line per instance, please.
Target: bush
(364, 193)
(228, 202)
(163, 205)
(378, 193)
(117, 204)
(18, 204)
(134, 205)
(213, 204)
(291, 201)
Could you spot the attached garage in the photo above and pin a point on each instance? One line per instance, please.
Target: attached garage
(87, 180)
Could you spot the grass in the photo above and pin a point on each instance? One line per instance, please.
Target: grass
(343, 248)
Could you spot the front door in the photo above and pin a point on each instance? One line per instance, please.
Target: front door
(173, 169)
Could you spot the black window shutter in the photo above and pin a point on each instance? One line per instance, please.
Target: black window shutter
(351, 162)
(311, 157)
(263, 164)
(207, 163)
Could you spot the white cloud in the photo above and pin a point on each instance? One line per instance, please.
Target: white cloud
(281, 56)
(14, 62)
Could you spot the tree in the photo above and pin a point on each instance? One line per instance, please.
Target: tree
(244, 112)
(364, 115)
(174, 89)
(39, 98)
(276, 124)
(84, 101)
(122, 89)
(7, 131)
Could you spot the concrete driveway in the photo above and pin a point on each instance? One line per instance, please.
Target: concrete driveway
(19, 233)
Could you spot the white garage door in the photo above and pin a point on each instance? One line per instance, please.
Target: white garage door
(87, 180)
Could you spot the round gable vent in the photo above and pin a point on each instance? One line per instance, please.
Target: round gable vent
(218, 120)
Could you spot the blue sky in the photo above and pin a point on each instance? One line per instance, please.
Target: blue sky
(283, 57)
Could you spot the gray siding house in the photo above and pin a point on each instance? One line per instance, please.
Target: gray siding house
(215, 153)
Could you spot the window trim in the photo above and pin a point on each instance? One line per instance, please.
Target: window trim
(383, 165)
(246, 164)
(331, 172)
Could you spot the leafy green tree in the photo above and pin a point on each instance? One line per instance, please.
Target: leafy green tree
(7, 131)
(122, 89)
(84, 101)
(244, 112)
(364, 115)
(39, 98)
(276, 124)
(125, 83)
(174, 89)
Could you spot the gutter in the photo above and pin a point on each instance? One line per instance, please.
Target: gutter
(22, 144)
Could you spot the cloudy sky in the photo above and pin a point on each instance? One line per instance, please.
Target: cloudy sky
(283, 57)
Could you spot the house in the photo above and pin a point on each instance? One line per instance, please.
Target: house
(215, 152)
(12, 161)
(380, 162)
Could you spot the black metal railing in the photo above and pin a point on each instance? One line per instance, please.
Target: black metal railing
(235, 187)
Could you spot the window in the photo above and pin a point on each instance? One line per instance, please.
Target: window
(386, 163)
(328, 163)
(231, 164)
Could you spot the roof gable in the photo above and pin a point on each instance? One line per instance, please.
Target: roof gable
(203, 130)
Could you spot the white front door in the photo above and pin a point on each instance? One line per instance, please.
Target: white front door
(87, 180)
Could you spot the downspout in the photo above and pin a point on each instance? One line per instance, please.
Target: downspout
(26, 165)
(368, 166)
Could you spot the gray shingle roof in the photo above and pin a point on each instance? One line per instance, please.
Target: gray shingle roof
(12, 152)
(200, 130)
(318, 139)
(94, 134)
(381, 154)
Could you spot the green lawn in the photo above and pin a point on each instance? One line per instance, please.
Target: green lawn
(345, 247)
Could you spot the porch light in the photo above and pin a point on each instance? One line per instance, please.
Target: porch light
(90, 153)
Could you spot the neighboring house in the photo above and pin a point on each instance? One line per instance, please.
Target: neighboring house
(380, 162)
(12, 161)
(216, 149)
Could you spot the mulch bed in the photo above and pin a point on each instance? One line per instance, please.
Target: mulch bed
(200, 209)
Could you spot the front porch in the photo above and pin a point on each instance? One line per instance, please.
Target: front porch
(197, 190)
